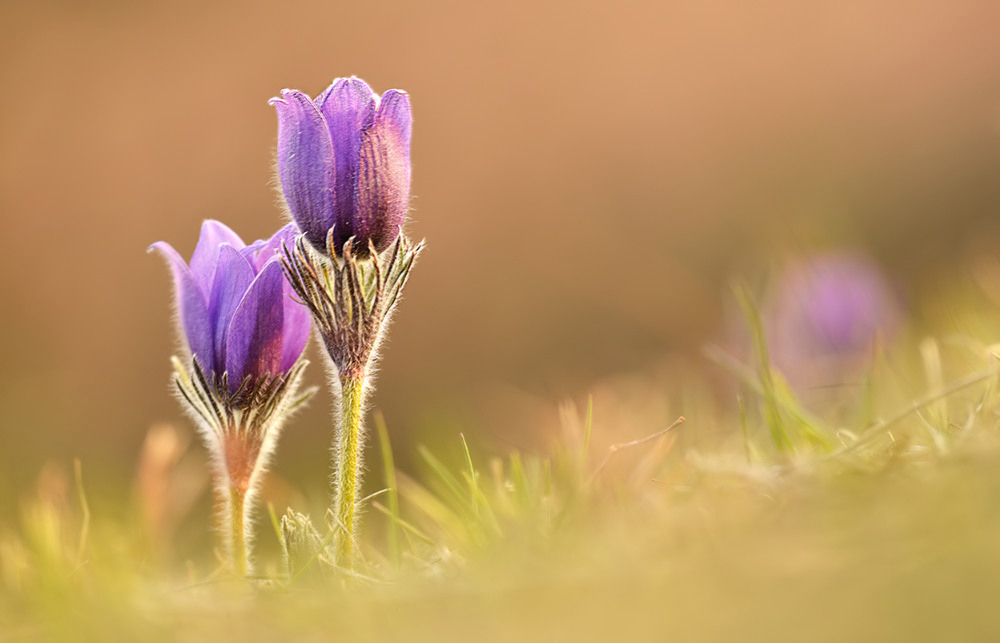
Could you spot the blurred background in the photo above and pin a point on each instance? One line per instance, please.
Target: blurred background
(588, 176)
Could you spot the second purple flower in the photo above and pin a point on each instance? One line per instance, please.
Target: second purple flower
(246, 335)
(236, 308)
(344, 163)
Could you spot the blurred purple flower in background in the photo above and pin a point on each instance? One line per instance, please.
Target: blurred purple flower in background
(235, 307)
(826, 315)
(344, 163)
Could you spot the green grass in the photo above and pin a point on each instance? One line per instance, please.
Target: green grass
(759, 518)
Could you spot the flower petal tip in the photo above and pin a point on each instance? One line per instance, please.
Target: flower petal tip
(167, 250)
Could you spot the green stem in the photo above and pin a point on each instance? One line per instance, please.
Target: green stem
(237, 531)
(348, 454)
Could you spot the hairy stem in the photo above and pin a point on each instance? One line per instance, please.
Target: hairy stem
(348, 454)
(237, 530)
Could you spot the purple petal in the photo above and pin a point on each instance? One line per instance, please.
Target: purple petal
(191, 306)
(297, 324)
(306, 164)
(384, 169)
(206, 253)
(233, 277)
(253, 344)
(394, 114)
(252, 251)
(260, 252)
(349, 109)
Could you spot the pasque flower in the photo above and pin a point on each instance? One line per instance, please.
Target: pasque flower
(236, 308)
(246, 335)
(344, 162)
(825, 317)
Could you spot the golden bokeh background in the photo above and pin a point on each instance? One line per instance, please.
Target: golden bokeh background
(587, 175)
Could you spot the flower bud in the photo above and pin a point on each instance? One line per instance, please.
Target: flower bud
(344, 164)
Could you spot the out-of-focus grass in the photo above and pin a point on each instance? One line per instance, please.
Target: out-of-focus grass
(875, 519)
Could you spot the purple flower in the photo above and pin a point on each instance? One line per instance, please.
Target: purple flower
(826, 315)
(344, 162)
(236, 308)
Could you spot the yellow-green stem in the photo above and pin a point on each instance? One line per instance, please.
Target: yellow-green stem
(237, 531)
(348, 453)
